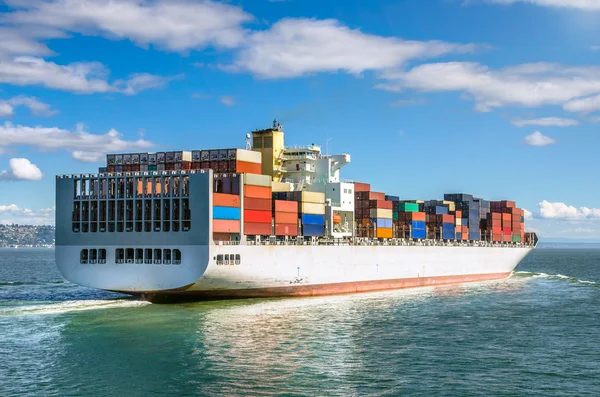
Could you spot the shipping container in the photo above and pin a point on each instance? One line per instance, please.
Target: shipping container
(286, 229)
(257, 192)
(257, 180)
(135, 158)
(312, 219)
(474, 235)
(226, 213)
(160, 157)
(226, 200)
(380, 204)
(448, 235)
(152, 167)
(222, 236)
(169, 157)
(254, 216)
(244, 155)
(110, 159)
(246, 167)
(380, 213)
(392, 198)
(257, 229)
(183, 155)
(312, 208)
(287, 218)
(419, 233)
(258, 204)
(281, 186)
(226, 226)
(152, 159)
(361, 187)
(517, 238)
(384, 233)
(408, 207)
(307, 197)
(286, 206)
(196, 156)
(383, 223)
(313, 230)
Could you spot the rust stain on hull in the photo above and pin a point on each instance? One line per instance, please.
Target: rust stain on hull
(316, 289)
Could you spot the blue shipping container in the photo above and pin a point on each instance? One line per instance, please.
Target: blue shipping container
(474, 236)
(313, 230)
(226, 213)
(448, 235)
(385, 223)
(279, 196)
(312, 219)
(418, 225)
(448, 227)
(419, 233)
(474, 214)
(392, 198)
(465, 221)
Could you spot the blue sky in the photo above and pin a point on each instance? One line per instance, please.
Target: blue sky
(500, 98)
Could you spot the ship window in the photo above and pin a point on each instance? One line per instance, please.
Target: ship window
(186, 186)
(111, 227)
(83, 257)
(111, 211)
(119, 255)
(175, 227)
(148, 255)
(176, 257)
(93, 227)
(138, 227)
(139, 255)
(268, 142)
(138, 210)
(129, 255)
(129, 210)
(102, 227)
(147, 227)
(157, 210)
(94, 211)
(238, 259)
(93, 255)
(257, 142)
(176, 184)
(148, 210)
(167, 183)
(120, 188)
(157, 256)
(76, 211)
(167, 257)
(129, 184)
(186, 215)
(120, 211)
(111, 188)
(85, 211)
(102, 214)
(175, 209)
(102, 255)
(219, 259)
(120, 227)
(85, 227)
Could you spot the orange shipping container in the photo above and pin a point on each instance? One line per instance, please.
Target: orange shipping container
(447, 218)
(257, 192)
(286, 206)
(458, 214)
(365, 222)
(250, 168)
(221, 237)
(286, 230)
(384, 232)
(257, 229)
(253, 216)
(223, 226)
(287, 218)
(465, 236)
(226, 200)
(506, 217)
(257, 204)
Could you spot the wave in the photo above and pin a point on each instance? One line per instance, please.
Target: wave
(70, 306)
(19, 283)
(555, 277)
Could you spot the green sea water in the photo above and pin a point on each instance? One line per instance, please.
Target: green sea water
(536, 333)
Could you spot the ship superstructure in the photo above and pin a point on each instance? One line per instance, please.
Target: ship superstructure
(269, 220)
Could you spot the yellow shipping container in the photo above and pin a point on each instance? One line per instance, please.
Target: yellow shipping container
(281, 187)
(451, 205)
(381, 213)
(310, 197)
(458, 222)
(257, 180)
(312, 208)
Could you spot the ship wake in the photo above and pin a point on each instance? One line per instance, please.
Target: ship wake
(69, 306)
(554, 277)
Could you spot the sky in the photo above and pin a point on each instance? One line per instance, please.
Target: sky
(498, 98)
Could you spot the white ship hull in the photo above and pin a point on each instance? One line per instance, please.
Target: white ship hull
(266, 271)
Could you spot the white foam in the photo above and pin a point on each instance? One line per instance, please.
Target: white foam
(555, 276)
(69, 306)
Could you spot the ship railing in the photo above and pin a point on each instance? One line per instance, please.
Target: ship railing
(157, 262)
(139, 261)
(148, 261)
(120, 261)
(130, 261)
(167, 262)
(102, 261)
(92, 262)
(176, 262)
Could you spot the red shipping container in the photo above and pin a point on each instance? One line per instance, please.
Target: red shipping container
(224, 226)
(286, 206)
(204, 165)
(458, 214)
(257, 204)
(257, 229)
(496, 230)
(257, 192)
(496, 237)
(250, 168)
(361, 187)
(507, 204)
(494, 215)
(186, 165)
(447, 218)
(253, 216)
(465, 229)
(376, 196)
(507, 230)
(381, 204)
(196, 165)
(286, 218)
(226, 200)
(286, 230)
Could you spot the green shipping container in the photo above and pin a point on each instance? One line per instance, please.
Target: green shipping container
(516, 238)
(395, 215)
(408, 207)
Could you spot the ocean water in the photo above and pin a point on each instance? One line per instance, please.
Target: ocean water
(536, 333)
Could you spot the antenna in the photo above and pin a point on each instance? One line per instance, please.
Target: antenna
(248, 142)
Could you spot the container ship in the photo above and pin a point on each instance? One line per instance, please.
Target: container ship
(269, 220)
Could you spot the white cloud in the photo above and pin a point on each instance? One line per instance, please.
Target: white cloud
(82, 78)
(528, 214)
(587, 5)
(227, 100)
(578, 230)
(595, 48)
(295, 47)
(12, 213)
(36, 107)
(172, 25)
(529, 85)
(584, 105)
(562, 211)
(88, 157)
(21, 169)
(83, 145)
(538, 139)
(23, 42)
(546, 122)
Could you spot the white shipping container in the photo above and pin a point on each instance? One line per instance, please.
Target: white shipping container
(458, 222)
(281, 187)
(127, 159)
(257, 180)
(451, 205)
(312, 208)
(310, 197)
(249, 156)
(135, 158)
(381, 213)
(183, 155)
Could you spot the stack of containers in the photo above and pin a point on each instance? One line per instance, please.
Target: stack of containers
(411, 222)
(458, 224)
(311, 211)
(258, 205)
(381, 215)
(226, 216)
(470, 212)
(152, 162)
(518, 226)
(362, 209)
(286, 217)
(227, 160)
